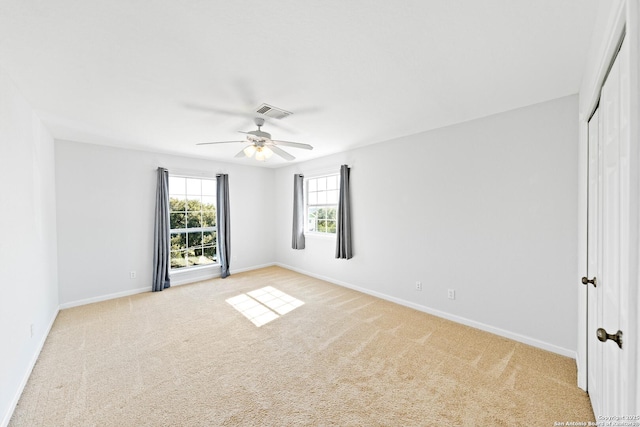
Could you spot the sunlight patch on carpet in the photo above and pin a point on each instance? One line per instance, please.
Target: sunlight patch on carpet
(264, 305)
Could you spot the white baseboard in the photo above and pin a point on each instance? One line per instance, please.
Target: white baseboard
(458, 319)
(255, 267)
(104, 297)
(27, 374)
(204, 274)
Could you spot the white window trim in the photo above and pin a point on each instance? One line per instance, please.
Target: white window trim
(317, 234)
(194, 269)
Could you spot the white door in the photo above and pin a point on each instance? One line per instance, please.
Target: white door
(594, 353)
(608, 250)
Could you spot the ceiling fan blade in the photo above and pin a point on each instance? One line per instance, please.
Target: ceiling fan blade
(217, 142)
(293, 144)
(241, 154)
(280, 152)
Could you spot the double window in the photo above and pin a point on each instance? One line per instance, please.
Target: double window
(322, 204)
(192, 211)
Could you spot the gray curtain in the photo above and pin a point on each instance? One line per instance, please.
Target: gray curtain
(223, 221)
(161, 238)
(344, 248)
(298, 212)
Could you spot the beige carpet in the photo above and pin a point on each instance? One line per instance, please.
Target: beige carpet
(186, 357)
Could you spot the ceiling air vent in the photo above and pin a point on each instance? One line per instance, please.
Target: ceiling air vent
(273, 112)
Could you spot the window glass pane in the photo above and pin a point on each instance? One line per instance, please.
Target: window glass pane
(322, 184)
(201, 258)
(210, 253)
(194, 187)
(194, 219)
(313, 185)
(189, 258)
(178, 241)
(177, 203)
(209, 218)
(176, 185)
(332, 182)
(331, 213)
(331, 226)
(208, 203)
(322, 198)
(208, 187)
(194, 239)
(197, 257)
(194, 203)
(208, 238)
(332, 197)
(177, 220)
(311, 225)
(313, 199)
(178, 259)
(322, 225)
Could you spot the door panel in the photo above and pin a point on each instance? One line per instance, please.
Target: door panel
(608, 243)
(594, 351)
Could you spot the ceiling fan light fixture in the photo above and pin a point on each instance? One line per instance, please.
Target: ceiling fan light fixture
(249, 150)
(263, 153)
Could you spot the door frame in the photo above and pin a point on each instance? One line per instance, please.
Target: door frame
(623, 20)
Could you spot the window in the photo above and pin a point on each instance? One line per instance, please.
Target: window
(322, 204)
(192, 211)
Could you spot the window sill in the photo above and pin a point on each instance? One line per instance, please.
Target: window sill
(324, 236)
(194, 274)
(193, 269)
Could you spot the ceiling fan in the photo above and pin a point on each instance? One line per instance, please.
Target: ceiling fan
(262, 145)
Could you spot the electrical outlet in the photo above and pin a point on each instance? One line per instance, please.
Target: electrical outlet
(132, 275)
(451, 294)
(418, 286)
(31, 328)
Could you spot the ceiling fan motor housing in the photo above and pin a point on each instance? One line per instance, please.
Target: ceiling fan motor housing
(258, 137)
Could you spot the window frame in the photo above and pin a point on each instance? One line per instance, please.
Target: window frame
(308, 205)
(201, 229)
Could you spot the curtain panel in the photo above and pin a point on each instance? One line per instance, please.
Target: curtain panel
(298, 241)
(223, 223)
(344, 243)
(161, 238)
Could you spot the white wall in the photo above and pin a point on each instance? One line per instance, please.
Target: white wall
(487, 207)
(106, 200)
(29, 287)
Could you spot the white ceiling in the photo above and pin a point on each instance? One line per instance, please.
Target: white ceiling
(164, 75)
